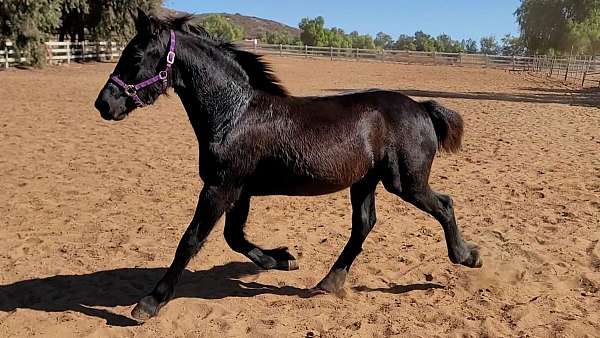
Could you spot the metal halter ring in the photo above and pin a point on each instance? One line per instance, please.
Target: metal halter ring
(162, 75)
(170, 57)
(130, 90)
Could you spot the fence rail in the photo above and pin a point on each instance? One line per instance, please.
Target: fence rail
(581, 70)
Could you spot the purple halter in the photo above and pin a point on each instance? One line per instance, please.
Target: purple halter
(132, 90)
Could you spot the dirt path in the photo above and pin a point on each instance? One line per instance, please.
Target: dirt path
(92, 213)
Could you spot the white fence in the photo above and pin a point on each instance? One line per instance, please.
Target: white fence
(581, 70)
(65, 52)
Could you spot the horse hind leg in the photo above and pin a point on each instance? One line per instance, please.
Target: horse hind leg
(416, 191)
(362, 195)
(279, 258)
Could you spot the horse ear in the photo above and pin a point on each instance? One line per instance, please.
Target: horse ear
(142, 22)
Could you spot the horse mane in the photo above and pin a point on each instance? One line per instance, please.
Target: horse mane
(260, 73)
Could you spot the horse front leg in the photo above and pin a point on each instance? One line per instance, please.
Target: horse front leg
(212, 204)
(235, 221)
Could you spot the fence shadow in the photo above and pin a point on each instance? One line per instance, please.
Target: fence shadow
(584, 97)
(124, 287)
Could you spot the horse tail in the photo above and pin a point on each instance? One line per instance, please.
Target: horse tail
(448, 126)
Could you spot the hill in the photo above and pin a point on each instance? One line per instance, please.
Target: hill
(254, 26)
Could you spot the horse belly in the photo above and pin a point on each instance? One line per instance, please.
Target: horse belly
(331, 175)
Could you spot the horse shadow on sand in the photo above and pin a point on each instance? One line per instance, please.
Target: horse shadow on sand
(124, 287)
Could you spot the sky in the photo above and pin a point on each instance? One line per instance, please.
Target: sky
(461, 19)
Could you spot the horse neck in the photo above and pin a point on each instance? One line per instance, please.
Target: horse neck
(214, 90)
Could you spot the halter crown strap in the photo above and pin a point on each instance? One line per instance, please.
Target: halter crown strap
(131, 90)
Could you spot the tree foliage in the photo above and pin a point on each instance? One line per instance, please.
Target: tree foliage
(558, 26)
(405, 42)
(585, 35)
(219, 26)
(469, 45)
(383, 41)
(513, 45)
(279, 38)
(489, 45)
(314, 33)
(29, 23)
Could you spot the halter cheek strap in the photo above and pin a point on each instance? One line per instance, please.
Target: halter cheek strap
(132, 90)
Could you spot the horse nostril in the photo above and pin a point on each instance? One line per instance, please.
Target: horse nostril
(102, 106)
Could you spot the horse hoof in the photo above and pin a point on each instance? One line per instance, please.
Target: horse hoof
(333, 283)
(147, 308)
(474, 259)
(290, 265)
(285, 260)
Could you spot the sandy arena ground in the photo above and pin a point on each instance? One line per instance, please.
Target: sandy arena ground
(92, 212)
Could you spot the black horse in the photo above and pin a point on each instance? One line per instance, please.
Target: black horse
(256, 140)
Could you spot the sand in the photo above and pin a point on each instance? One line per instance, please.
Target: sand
(92, 212)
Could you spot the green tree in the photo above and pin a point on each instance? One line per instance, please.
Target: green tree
(279, 38)
(424, 42)
(469, 46)
(549, 26)
(313, 31)
(112, 19)
(585, 35)
(513, 45)
(445, 44)
(383, 41)
(220, 27)
(405, 42)
(28, 24)
(489, 45)
(361, 41)
(336, 37)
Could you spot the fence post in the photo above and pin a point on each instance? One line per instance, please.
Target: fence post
(585, 71)
(306, 51)
(460, 56)
(383, 55)
(280, 50)
(5, 55)
(356, 54)
(567, 71)
(331, 52)
(69, 52)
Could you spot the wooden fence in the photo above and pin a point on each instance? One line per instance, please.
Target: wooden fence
(580, 70)
(65, 52)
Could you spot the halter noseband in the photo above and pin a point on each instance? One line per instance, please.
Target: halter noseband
(132, 90)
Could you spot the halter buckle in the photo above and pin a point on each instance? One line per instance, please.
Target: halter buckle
(171, 57)
(162, 75)
(130, 90)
